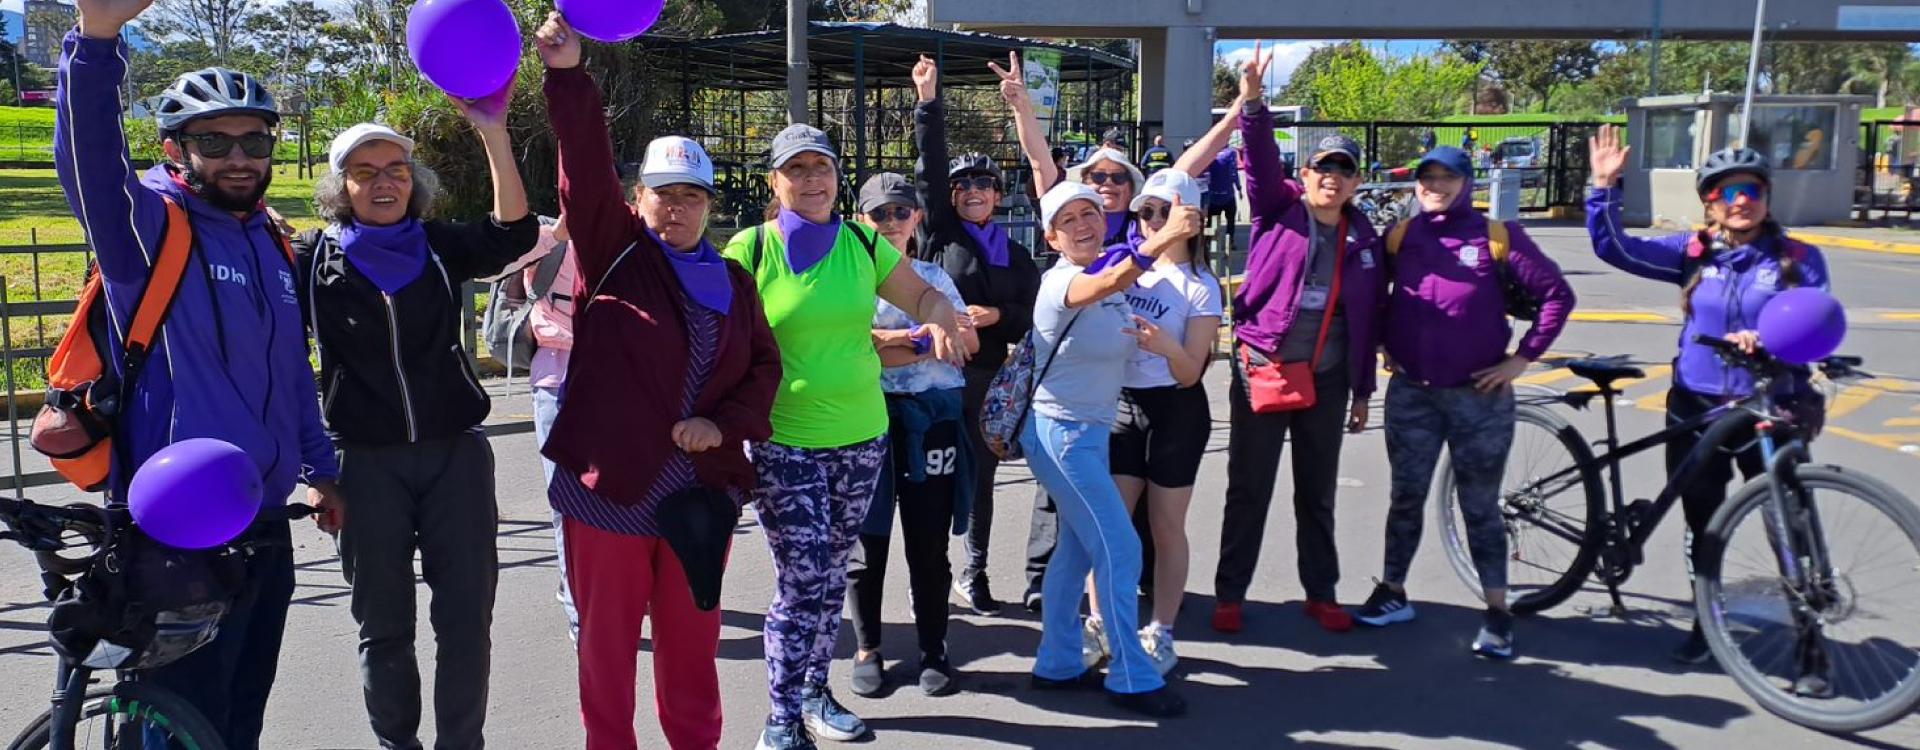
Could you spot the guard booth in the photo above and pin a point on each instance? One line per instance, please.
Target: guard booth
(1812, 141)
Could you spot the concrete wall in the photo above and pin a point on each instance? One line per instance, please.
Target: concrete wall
(1667, 197)
(1433, 19)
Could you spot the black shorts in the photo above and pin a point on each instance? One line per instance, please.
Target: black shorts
(1160, 434)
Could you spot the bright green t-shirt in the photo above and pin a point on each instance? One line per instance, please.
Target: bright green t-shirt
(823, 320)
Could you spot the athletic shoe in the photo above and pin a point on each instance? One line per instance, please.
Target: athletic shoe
(1694, 650)
(1331, 616)
(1158, 641)
(1385, 607)
(1032, 600)
(974, 593)
(1496, 636)
(869, 676)
(1093, 642)
(826, 718)
(1159, 703)
(784, 737)
(1227, 617)
(937, 678)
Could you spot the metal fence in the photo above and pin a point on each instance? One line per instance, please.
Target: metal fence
(1550, 156)
(1889, 168)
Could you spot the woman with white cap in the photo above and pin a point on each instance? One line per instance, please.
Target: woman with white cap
(1107, 170)
(1066, 442)
(673, 367)
(818, 278)
(381, 287)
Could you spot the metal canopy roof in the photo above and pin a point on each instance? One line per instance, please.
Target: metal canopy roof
(887, 52)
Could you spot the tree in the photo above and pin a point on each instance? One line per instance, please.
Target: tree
(1226, 82)
(1533, 67)
(219, 25)
(1355, 84)
(295, 33)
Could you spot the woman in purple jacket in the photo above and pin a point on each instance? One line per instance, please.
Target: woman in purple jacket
(1446, 339)
(1726, 274)
(1313, 291)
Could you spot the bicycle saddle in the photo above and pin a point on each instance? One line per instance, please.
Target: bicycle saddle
(1604, 371)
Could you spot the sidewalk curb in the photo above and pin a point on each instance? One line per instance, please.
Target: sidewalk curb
(1850, 243)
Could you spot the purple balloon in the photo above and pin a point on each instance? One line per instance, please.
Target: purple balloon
(1802, 325)
(611, 20)
(195, 493)
(469, 48)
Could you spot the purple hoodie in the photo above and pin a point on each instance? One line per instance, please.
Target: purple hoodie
(1269, 295)
(1447, 317)
(232, 360)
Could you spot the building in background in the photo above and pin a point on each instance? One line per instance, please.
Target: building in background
(46, 22)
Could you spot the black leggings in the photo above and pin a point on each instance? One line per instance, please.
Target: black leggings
(1708, 490)
(926, 514)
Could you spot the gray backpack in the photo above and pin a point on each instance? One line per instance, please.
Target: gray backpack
(508, 324)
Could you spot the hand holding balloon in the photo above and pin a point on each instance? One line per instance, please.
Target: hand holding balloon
(559, 47)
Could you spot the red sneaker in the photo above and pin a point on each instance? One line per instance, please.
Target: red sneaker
(1330, 615)
(1226, 617)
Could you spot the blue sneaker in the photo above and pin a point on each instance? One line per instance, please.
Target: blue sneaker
(784, 737)
(1496, 636)
(1385, 607)
(827, 719)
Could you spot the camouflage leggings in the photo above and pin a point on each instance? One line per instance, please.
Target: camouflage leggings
(811, 503)
(1477, 430)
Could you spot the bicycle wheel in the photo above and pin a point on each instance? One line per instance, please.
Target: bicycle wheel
(1861, 633)
(1552, 510)
(118, 715)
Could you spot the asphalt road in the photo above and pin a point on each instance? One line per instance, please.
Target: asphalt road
(1584, 679)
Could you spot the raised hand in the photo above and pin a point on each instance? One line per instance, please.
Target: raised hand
(926, 79)
(559, 46)
(1013, 83)
(1183, 221)
(488, 113)
(1253, 76)
(1607, 156)
(103, 19)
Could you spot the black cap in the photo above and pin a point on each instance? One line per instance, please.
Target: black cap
(885, 188)
(1113, 135)
(1336, 143)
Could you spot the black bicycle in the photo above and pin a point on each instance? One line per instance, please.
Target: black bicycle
(129, 713)
(1807, 582)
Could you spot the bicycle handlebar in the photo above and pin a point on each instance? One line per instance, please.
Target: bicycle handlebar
(42, 527)
(1759, 361)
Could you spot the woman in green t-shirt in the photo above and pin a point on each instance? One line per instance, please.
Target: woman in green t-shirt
(818, 278)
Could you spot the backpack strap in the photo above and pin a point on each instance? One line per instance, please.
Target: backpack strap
(1694, 257)
(548, 270)
(1497, 240)
(163, 286)
(868, 241)
(1397, 235)
(753, 264)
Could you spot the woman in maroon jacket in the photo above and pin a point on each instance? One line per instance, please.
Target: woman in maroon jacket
(672, 362)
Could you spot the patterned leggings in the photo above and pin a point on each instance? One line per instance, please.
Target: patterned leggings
(1477, 430)
(811, 504)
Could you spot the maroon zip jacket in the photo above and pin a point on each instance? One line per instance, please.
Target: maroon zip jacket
(629, 365)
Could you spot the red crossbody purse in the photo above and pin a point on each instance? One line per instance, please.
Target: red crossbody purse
(1288, 386)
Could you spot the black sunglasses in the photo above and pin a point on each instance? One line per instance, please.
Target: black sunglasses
(896, 213)
(218, 145)
(1102, 178)
(1335, 165)
(976, 182)
(1151, 213)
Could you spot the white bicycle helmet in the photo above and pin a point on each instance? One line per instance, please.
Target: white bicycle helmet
(212, 92)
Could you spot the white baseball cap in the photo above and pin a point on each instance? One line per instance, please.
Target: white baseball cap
(1078, 172)
(1061, 195)
(1165, 184)
(673, 160)
(361, 135)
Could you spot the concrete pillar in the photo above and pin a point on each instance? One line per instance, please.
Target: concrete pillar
(1152, 78)
(1187, 106)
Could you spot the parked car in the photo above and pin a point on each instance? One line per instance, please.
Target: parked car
(1523, 154)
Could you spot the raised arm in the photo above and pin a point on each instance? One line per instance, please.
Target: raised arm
(1659, 259)
(1033, 142)
(930, 139)
(598, 217)
(122, 219)
(1119, 275)
(1269, 193)
(1200, 155)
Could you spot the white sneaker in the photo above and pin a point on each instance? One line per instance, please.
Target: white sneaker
(1093, 642)
(1158, 641)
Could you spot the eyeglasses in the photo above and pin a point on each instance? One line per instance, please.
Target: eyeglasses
(363, 174)
(1117, 178)
(218, 145)
(976, 182)
(1335, 165)
(1152, 212)
(1754, 192)
(893, 213)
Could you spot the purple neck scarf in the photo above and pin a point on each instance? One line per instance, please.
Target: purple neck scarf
(807, 242)
(702, 273)
(391, 256)
(1116, 221)
(992, 241)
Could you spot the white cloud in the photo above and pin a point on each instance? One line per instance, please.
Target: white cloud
(1287, 57)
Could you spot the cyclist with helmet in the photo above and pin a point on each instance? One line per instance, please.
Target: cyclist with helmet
(1726, 272)
(231, 362)
(997, 278)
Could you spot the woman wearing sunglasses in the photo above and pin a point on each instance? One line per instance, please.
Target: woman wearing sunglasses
(996, 277)
(381, 288)
(928, 480)
(1726, 273)
(1446, 339)
(1311, 300)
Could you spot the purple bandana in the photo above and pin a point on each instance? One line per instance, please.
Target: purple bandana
(391, 256)
(806, 241)
(992, 241)
(703, 274)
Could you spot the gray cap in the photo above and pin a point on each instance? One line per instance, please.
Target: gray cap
(885, 188)
(798, 139)
(1336, 143)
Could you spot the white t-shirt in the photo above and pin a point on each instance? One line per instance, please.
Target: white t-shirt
(1169, 296)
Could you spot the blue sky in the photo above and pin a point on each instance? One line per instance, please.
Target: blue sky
(1292, 52)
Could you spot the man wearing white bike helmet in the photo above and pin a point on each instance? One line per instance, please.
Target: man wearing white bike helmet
(230, 361)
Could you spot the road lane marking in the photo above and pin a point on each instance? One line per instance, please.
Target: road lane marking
(1902, 422)
(1850, 399)
(1620, 316)
(1900, 316)
(1549, 377)
(1903, 444)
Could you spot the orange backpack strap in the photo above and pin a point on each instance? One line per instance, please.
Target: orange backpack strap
(163, 284)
